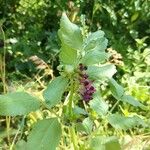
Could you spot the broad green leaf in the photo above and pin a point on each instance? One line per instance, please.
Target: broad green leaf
(21, 145)
(96, 41)
(129, 99)
(105, 143)
(88, 125)
(55, 90)
(99, 72)
(116, 89)
(119, 93)
(68, 55)
(18, 103)
(70, 34)
(124, 123)
(99, 105)
(45, 135)
(94, 57)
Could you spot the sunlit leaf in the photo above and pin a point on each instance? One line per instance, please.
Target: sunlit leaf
(99, 105)
(94, 57)
(96, 41)
(116, 89)
(45, 135)
(70, 34)
(68, 55)
(131, 100)
(18, 103)
(123, 123)
(105, 143)
(99, 72)
(88, 125)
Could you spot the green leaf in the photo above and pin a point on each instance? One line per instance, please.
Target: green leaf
(55, 90)
(17, 103)
(70, 34)
(96, 41)
(116, 89)
(45, 135)
(21, 145)
(94, 57)
(129, 99)
(99, 72)
(122, 122)
(112, 143)
(68, 55)
(88, 125)
(105, 143)
(119, 93)
(99, 105)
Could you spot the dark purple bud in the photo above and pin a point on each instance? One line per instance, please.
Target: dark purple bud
(85, 67)
(82, 67)
(85, 76)
(87, 97)
(86, 83)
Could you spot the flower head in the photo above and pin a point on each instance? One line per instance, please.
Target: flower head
(87, 89)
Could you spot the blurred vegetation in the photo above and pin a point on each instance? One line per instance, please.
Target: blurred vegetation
(32, 44)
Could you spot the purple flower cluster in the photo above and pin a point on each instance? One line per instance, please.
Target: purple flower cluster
(87, 89)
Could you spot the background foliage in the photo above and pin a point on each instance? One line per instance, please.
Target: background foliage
(32, 45)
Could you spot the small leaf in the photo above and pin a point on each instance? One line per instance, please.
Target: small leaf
(70, 34)
(88, 125)
(68, 55)
(96, 41)
(116, 89)
(45, 135)
(122, 122)
(55, 90)
(99, 105)
(79, 111)
(94, 57)
(99, 72)
(17, 103)
(129, 99)
(105, 143)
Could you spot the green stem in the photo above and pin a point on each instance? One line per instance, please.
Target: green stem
(72, 128)
(73, 137)
(3, 62)
(4, 82)
(71, 100)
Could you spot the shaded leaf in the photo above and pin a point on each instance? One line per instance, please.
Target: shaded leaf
(45, 135)
(55, 90)
(17, 103)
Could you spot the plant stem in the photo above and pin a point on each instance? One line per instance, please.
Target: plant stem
(3, 62)
(71, 100)
(8, 128)
(73, 137)
(72, 128)
(4, 82)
